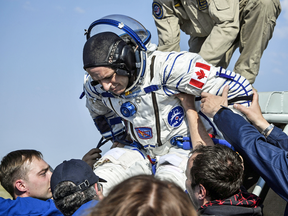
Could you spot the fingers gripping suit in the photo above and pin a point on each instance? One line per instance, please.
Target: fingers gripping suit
(153, 115)
(217, 28)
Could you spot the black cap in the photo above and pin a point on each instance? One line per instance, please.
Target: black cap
(76, 171)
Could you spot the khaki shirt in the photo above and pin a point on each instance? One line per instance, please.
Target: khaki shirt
(218, 20)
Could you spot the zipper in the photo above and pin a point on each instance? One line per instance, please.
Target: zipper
(155, 105)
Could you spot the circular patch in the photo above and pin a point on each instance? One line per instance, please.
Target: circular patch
(176, 116)
(157, 10)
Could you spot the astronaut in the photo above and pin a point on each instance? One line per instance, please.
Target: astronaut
(217, 28)
(131, 89)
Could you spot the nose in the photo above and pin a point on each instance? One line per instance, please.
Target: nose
(49, 173)
(106, 85)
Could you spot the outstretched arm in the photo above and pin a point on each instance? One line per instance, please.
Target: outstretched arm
(211, 105)
(270, 161)
(198, 133)
(253, 113)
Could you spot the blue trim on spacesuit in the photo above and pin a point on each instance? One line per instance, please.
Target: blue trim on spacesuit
(172, 68)
(204, 116)
(165, 89)
(184, 75)
(136, 149)
(151, 88)
(233, 80)
(107, 94)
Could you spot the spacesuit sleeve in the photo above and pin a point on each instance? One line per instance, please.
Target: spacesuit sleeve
(107, 122)
(189, 73)
(167, 24)
(184, 72)
(226, 17)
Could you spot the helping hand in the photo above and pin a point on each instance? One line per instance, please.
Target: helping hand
(210, 104)
(92, 156)
(253, 113)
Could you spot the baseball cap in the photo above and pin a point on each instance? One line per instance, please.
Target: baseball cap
(76, 171)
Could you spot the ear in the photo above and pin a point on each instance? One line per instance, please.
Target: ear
(99, 189)
(20, 185)
(202, 192)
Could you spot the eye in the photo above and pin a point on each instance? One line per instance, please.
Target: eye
(109, 78)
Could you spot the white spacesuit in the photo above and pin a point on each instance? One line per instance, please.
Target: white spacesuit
(154, 117)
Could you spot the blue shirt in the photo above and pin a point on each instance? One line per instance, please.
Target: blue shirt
(28, 206)
(269, 157)
(84, 208)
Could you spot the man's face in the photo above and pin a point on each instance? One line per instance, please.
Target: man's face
(191, 191)
(38, 179)
(109, 80)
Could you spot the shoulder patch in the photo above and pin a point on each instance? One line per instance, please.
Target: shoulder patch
(200, 76)
(157, 10)
(144, 132)
(202, 4)
(176, 116)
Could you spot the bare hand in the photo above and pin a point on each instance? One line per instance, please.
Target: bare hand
(210, 104)
(253, 113)
(92, 156)
(187, 101)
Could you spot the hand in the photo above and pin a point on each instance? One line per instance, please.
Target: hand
(253, 113)
(187, 101)
(92, 156)
(117, 144)
(210, 104)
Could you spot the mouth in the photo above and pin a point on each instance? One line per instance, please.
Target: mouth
(114, 89)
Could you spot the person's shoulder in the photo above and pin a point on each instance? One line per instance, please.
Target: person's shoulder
(28, 206)
(85, 207)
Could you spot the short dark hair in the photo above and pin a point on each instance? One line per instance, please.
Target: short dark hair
(13, 167)
(219, 169)
(145, 195)
(69, 204)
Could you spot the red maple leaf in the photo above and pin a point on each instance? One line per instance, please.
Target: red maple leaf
(200, 74)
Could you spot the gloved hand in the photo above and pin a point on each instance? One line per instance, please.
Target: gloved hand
(92, 156)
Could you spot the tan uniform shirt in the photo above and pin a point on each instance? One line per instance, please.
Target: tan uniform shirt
(214, 26)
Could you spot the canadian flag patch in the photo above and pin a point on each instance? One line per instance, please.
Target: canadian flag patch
(200, 76)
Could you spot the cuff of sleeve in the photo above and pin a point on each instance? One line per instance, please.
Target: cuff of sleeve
(274, 135)
(221, 110)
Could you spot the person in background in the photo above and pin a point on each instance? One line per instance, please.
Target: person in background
(75, 187)
(262, 145)
(26, 177)
(145, 195)
(215, 174)
(217, 28)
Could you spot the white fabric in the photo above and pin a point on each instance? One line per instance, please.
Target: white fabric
(173, 73)
(119, 164)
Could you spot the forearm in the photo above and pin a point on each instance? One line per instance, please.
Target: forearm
(198, 133)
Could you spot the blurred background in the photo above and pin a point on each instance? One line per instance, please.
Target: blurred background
(41, 75)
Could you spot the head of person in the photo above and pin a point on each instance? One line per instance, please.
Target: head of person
(24, 173)
(213, 173)
(73, 183)
(145, 195)
(114, 58)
